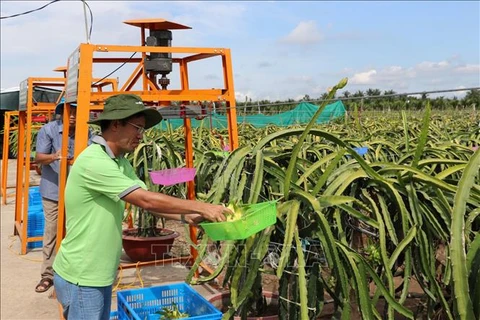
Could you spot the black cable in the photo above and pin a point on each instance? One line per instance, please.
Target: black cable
(91, 19)
(46, 5)
(108, 75)
(30, 11)
(278, 104)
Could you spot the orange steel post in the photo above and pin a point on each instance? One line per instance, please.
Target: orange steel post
(63, 171)
(144, 56)
(83, 98)
(20, 172)
(6, 151)
(189, 155)
(190, 184)
(26, 183)
(6, 136)
(231, 106)
(81, 126)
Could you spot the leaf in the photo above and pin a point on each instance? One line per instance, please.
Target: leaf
(462, 300)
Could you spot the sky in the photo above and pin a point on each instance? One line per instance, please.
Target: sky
(280, 49)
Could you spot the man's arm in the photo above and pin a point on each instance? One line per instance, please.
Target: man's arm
(47, 158)
(193, 219)
(43, 148)
(158, 202)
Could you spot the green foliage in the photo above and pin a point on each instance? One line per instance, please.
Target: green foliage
(400, 196)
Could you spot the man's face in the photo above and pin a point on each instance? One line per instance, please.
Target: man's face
(131, 134)
(73, 117)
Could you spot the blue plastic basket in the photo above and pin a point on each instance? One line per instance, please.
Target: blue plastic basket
(33, 190)
(114, 315)
(35, 244)
(34, 196)
(141, 304)
(35, 225)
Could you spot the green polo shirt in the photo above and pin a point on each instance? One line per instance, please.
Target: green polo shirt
(89, 254)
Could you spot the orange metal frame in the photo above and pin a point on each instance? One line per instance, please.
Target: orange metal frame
(9, 126)
(79, 77)
(23, 158)
(24, 134)
(12, 127)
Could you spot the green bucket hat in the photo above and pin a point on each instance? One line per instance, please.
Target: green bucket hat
(122, 106)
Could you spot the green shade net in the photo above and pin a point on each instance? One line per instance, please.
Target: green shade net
(301, 114)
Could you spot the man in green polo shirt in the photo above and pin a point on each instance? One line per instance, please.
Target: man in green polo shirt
(100, 182)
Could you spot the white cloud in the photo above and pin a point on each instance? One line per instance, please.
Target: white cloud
(306, 32)
(240, 96)
(426, 75)
(468, 69)
(428, 66)
(367, 77)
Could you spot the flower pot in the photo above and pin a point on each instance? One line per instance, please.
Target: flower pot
(221, 301)
(147, 248)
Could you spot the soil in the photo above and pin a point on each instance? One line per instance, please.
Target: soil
(181, 247)
(160, 233)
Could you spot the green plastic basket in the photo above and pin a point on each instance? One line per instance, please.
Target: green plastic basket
(256, 218)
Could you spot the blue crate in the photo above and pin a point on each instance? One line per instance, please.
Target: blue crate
(140, 304)
(114, 315)
(34, 194)
(35, 244)
(33, 190)
(35, 227)
(36, 223)
(34, 201)
(36, 209)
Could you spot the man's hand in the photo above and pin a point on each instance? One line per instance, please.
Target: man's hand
(194, 219)
(56, 155)
(214, 212)
(47, 158)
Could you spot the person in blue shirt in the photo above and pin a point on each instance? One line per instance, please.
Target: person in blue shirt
(48, 149)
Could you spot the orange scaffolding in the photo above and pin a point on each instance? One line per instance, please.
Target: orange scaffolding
(11, 125)
(27, 107)
(79, 80)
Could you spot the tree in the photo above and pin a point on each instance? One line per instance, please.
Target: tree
(346, 94)
(472, 98)
(388, 93)
(359, 93)
(373, 92)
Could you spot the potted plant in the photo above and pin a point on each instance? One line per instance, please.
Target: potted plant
(144, 239)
